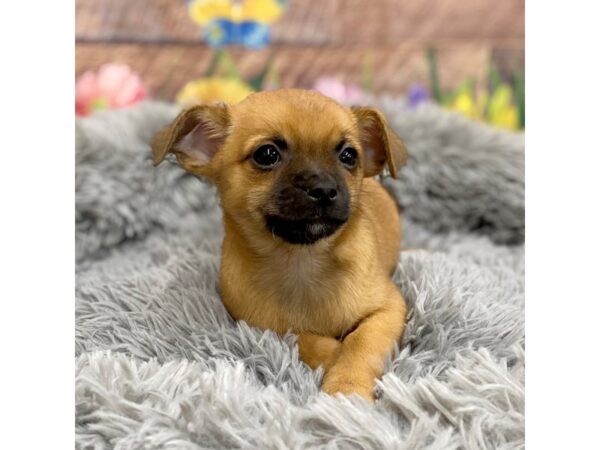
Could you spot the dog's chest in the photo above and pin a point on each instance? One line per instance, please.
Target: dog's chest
(302, 276)
(301, 292)
(305, 289)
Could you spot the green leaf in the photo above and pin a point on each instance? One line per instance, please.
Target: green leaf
(257, 82)
(495, 78)
(519, 87)
(166, 84)
(366, 76)
(434, 80)
(223, 65)
(214, 62)
(273, 78)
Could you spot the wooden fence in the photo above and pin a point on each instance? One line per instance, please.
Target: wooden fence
(312, 39)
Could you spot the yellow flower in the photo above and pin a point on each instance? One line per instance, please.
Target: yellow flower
(263, 11)
(509, 118)
(501, 111)
(203, 11)
(464, 103)
(211, 90)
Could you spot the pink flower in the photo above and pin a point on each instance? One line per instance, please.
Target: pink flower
(339, 91)
(114, 86)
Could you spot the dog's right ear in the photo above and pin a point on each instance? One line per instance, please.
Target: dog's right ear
(194, 137)
(380, 144)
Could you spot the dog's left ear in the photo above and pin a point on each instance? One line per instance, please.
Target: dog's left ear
(380, 144)
(194, 137)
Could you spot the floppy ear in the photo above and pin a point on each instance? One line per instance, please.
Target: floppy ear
(380, 144)
(194, 137)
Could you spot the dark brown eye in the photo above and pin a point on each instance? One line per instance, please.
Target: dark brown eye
(266, 156)
(348, 157)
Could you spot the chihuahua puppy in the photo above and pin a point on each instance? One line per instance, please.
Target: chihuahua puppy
(311, 239)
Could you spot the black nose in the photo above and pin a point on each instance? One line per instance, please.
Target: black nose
(320, 187)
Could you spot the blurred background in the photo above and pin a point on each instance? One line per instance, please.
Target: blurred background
(466, 55)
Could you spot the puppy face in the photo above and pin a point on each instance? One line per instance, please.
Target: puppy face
(287, 163)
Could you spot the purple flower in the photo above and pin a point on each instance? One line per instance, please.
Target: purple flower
(417, 94)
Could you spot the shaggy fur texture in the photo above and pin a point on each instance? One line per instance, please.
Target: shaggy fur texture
(160, 364)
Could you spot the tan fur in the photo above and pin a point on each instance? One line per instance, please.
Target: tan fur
(336, 294)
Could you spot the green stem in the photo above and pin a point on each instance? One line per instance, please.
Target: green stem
(520, 95)
(214, 62)
(366, 81)
(434, 79)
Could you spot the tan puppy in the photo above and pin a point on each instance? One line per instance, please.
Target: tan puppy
(310, 238)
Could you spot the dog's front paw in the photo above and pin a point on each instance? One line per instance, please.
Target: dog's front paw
(318, 350)
(342, 381)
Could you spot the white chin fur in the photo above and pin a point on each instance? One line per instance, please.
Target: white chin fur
(316, 228)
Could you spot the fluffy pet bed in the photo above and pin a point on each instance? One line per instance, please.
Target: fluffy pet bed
(160, 364)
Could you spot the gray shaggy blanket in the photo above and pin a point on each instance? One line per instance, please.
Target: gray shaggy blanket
(160, 364)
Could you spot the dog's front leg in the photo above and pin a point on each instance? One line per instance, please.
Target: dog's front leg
(363, 352)
(318, 350)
